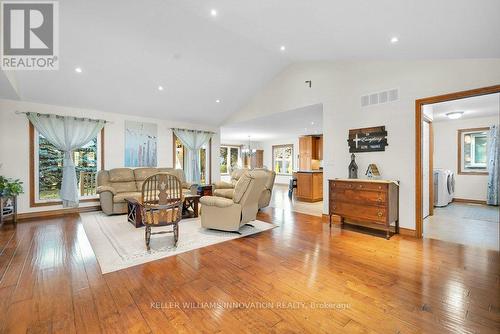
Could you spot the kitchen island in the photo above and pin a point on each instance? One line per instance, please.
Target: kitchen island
(309, 185)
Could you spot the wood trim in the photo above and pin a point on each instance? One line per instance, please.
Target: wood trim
(470, 201)
(407, 232)
(336, 220)
(33, 203)
(431, 168)
(56, 213)
(102, 149)
(459, 150)
(32, 164)
(418, 141)
(210, 162)
(174, 149)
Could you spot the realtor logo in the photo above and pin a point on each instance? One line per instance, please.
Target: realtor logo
(30, 35)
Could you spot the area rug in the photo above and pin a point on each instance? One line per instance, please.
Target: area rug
(118, 245)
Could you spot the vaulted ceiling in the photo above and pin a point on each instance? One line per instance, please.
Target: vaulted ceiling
(126, 49)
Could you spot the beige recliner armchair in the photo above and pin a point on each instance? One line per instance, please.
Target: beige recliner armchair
(235, 176)
(114, 185)
(226, 190)
(230, 214)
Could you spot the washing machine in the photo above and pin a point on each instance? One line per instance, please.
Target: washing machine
(444, 187)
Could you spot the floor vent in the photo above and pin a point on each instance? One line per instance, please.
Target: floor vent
(380, 97)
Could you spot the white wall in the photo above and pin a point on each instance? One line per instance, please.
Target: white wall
(267, 146)
(14, 148)
(339, 85)
(446, 155)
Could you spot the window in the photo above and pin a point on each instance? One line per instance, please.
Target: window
(229, 159)
(47, 161)
(283, 159)
(180, 155)
(472, 151)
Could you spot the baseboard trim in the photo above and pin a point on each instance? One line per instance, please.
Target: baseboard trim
(470, 201)
(56, 213)
(407, 232)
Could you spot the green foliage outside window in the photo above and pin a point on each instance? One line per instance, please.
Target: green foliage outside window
(50, 162)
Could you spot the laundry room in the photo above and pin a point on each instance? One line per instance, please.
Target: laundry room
(460, 170)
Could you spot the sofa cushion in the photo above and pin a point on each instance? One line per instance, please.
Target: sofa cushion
(241, 187)
(174, 171)
(121, 175)
(121, 196)
(226, 193)
(216, 201)
(141, 174)
(123, 187)
(236, 174)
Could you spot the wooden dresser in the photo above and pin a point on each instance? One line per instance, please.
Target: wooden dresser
(369, 203)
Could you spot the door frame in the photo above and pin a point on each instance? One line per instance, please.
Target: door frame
(431, 165)
(419, 118)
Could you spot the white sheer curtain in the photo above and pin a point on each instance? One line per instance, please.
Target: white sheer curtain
(67, 134)
(193, 140)
(493, 164)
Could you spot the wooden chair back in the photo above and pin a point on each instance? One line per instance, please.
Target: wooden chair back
(162, 199)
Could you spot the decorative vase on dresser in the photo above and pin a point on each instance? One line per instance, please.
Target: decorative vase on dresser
(368, 203)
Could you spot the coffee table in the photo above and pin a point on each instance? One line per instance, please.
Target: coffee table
(190, 202)
(134, 214)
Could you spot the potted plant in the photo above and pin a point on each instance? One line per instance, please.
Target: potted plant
(9, 189)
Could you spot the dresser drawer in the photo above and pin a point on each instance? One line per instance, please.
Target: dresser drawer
(356, 196)
(359, 212)
(358, 185)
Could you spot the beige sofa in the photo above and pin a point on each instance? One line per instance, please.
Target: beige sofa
(114, 185)
(230, 214)
(226, 189)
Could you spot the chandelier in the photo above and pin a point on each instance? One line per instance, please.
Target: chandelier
(247, 150)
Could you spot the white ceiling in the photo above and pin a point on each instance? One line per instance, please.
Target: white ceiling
(473, 107)
(287, 124)
(127, 48)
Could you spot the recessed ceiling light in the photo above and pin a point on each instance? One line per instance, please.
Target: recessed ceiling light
(312, 123)
(217, 101)
(213, 12)
(394, 40)
(78, 70)
(160, 88)
(282, 48)
(455, 114)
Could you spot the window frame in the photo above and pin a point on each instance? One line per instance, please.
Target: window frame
(33, 188)
(291, 156)
(228, 157)
(460, 163)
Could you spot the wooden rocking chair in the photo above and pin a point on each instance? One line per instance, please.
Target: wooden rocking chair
(161, 204)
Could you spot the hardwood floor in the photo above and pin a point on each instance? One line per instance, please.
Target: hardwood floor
(51, 282)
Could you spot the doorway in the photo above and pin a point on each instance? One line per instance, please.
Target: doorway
(452, 158)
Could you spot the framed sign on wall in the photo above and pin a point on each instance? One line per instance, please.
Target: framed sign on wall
(367, 139)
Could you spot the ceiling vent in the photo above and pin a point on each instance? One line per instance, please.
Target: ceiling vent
(380, 97)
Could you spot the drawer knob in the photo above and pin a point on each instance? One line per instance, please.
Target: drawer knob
(380, 213)
(380, 187)
(361, 186)
(379, 199)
